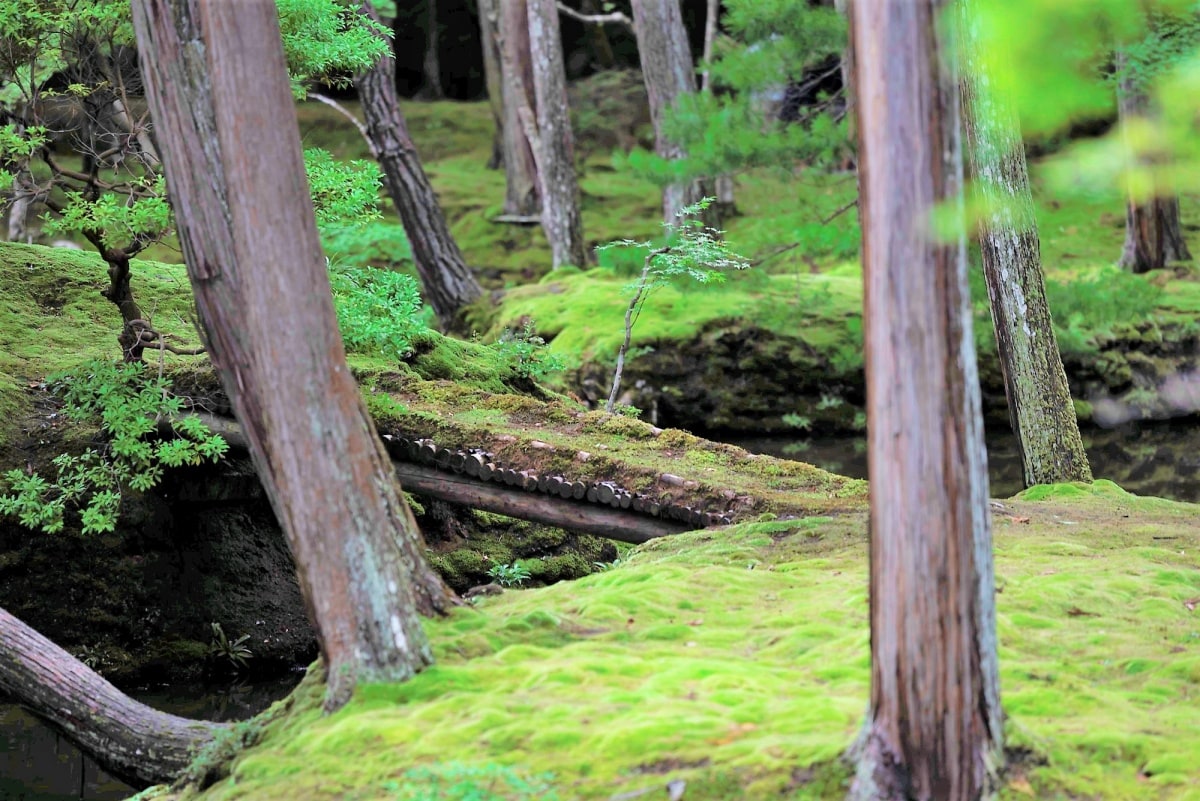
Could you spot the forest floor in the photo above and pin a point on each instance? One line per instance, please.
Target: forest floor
(737, 661)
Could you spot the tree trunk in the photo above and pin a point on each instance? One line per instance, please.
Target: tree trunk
(22, 198)
(489, 33)
(1035, 383)
(136, 744)
(723, 185)
(1153, 234)
(249, 237)
(602, 49)
(555, 145)
(522, 198)
(448, 283)
(669, 74)
(431, 89)
(934, 725)
(847, 68)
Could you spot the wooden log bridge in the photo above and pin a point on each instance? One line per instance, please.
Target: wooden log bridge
(473, 478)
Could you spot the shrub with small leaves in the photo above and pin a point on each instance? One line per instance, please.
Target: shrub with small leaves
(525, 354)
(513, 575)
(128, 404)
(379, 311)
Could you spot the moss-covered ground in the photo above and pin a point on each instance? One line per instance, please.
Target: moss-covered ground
(737, 660)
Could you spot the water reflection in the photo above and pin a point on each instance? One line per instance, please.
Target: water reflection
(1161, 459)
(38, 765)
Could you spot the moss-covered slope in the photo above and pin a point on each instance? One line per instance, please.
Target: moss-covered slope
(737, 660)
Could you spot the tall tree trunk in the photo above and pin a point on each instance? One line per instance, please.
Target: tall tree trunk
(522, 197)
(555, 144)
(431, 89)
(448, 282)
(602, 49)
(1153, 234)
(934, 725)
(138, 745)
(489, 33)
(246, 224)
(1035, 383)
(723, 184)
(847, 68)
(669, 74)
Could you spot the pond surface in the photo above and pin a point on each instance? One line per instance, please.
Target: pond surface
(1161, 459)
(38, 765)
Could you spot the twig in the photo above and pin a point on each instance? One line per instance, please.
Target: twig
(840, 212)
(615, 18)
(784, 249)
(345, 112)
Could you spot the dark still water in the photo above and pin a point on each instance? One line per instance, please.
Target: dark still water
(1161, 459)
(38, 765)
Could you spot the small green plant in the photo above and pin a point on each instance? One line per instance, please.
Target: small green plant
(236, 652)
(379, 311)
(526, 355)
(513, 575)
(697, 252)
(797, 421)
(828, 402)
(129, 405)
(602, 566)
(457, 782)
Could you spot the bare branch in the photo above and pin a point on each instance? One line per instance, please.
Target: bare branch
(615, 18)
(345, 112)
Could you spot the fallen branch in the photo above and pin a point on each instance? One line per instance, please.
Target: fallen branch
(139, 745)
(615, 18)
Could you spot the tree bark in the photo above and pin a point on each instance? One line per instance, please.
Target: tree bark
(934, 726)
(489, 33)
(555, 145)
(448, 283)
(431, 89)
(669, 74)
(1153, 234)
(1035, 383)
(136, 744)
(522, 197)
(246, 225)
(723, 185)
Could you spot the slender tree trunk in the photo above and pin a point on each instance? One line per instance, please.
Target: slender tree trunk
(669, 74)
(1153, 234)
(138, 745)
(448, 282)
(431, 89)
(1035, 383)
(245, 221)
(494, 76)
(934, 726)
(723, 184)
(522, 197)
(844, 8)
(601, 46)
(555, 145)
(22, 199)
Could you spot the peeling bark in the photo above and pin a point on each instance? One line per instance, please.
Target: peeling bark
(493, 77)
(555, 144)
(934, 724)
(1035, 383)
(138, 745)
(245, 221)
(522, 196)
(447, 281)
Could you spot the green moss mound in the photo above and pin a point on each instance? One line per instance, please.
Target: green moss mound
(737, 660)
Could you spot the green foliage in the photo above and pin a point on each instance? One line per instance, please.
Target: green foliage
(375, 242)
(343, 193)
(329, 41)
(142, 215)
(236, 652)
(379, 311)
(769, 43)
(128, 405)
(454, 781)
(513, 575)
(524, 353)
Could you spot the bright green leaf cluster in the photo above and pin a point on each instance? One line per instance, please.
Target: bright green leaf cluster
(329, 41)
(128, 404)
(525, 354)
(379, 311)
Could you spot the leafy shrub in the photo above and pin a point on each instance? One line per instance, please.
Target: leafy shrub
(128, 404)
(1087, 308)
(513, 575)
(379, 311)
(525, 354)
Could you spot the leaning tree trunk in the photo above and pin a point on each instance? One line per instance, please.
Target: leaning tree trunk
(249, 237)
(1153, 234)
(522, 197)
(138, 745)
(669, 74)
(555, 143)
(1035, 383)
(489, 33)
(934, 725)
(447, 281)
